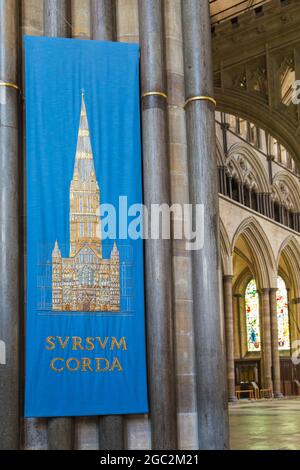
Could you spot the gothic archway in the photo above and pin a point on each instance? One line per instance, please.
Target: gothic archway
(261, 252)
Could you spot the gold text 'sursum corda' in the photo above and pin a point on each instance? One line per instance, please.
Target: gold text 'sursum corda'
(85, 364)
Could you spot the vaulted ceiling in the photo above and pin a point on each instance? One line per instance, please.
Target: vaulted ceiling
(222, 10)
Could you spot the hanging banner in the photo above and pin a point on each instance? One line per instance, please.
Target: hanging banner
(85, 341)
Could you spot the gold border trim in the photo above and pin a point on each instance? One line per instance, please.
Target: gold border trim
(200, 98)
(155, 93)
(10, 84)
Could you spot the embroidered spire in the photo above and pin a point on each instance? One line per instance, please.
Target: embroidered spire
(84, 163)
(114, 252)
(56, 251)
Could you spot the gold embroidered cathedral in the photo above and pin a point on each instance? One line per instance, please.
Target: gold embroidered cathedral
(85, 281)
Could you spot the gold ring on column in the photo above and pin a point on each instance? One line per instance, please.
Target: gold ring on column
(155, 93)
(200, 98)
(10, 84)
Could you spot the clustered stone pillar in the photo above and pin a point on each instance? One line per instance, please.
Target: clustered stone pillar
(182, 276)
(60, 430)
(9, 224)
(158, 254)
(209, 353)
(229, 334)
(274, 345)
(111, 431)
(266, 339)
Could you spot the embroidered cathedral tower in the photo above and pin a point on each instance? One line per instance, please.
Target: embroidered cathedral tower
(85, 281)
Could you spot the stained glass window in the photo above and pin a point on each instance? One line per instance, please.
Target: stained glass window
(252, 317)
(282, 315)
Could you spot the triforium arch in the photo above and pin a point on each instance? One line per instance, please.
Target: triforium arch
(286, 191)
(260, 249)
(248, 167)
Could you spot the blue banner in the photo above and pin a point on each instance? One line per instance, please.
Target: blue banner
(85, 339)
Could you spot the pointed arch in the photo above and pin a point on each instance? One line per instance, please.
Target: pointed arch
(247, 153)
(260, 250)
(291, 184)
(245, 258)
(290, 252)
(242, 280)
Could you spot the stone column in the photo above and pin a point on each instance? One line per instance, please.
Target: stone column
(241, 193)
(80, 19)
(266, 339)
(9, 226)
(127, 21)
(111, 432)
(158, 253)
(209, 353)
(237, 325)
(60, 430)
(270, 159)
(56, 18)
(258, 200)
(229, 333)
(230, 185)
(225, 128)
(274, 345)
(103, 19)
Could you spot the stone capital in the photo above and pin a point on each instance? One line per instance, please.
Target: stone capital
(273, 290)
(225, 126)
(264, 290)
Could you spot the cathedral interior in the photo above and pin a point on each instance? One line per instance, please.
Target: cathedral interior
(224, 325)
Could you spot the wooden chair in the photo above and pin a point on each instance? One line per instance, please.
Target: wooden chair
(239, 392)
(265, 391)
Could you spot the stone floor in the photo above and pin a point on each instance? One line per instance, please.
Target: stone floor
(267, 424)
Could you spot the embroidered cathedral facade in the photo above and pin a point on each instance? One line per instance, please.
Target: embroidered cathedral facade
(85, 281)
